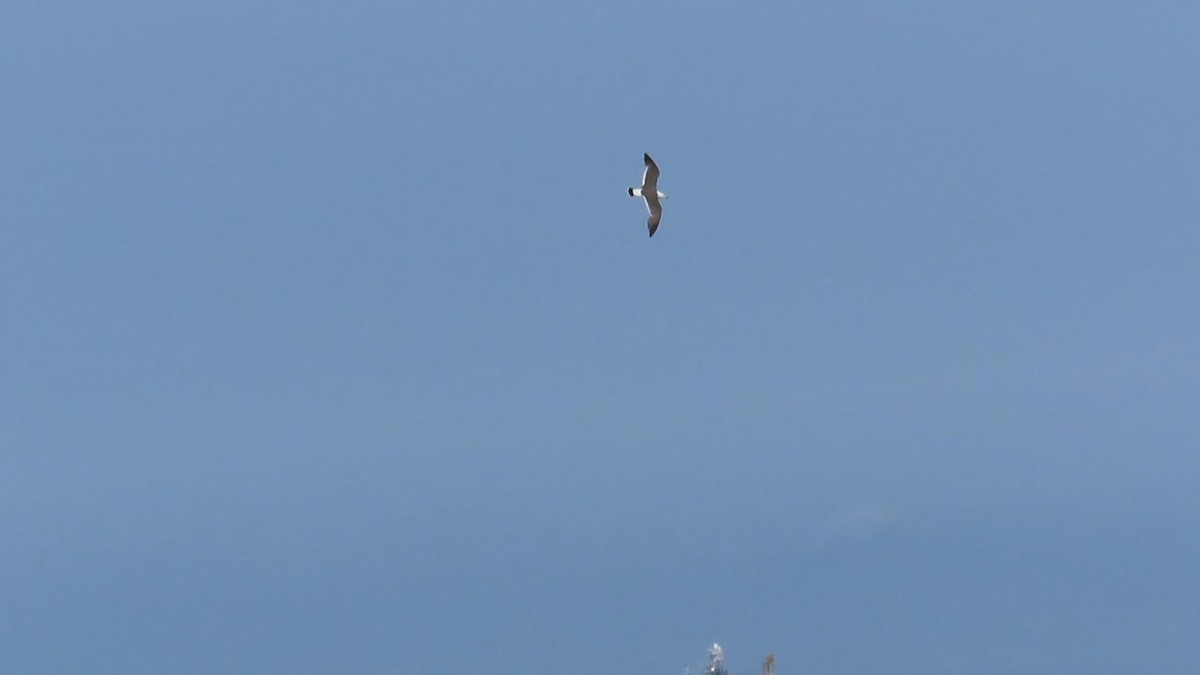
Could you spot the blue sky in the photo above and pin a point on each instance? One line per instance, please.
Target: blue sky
(332, 342)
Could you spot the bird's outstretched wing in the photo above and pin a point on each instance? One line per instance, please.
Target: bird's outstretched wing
(650, 178)
(655, 209)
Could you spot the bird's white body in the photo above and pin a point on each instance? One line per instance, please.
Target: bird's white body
(637, 192)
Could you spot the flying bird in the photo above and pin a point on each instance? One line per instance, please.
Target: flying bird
(649, 192)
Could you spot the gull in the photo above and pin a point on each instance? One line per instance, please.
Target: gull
(649, 192)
